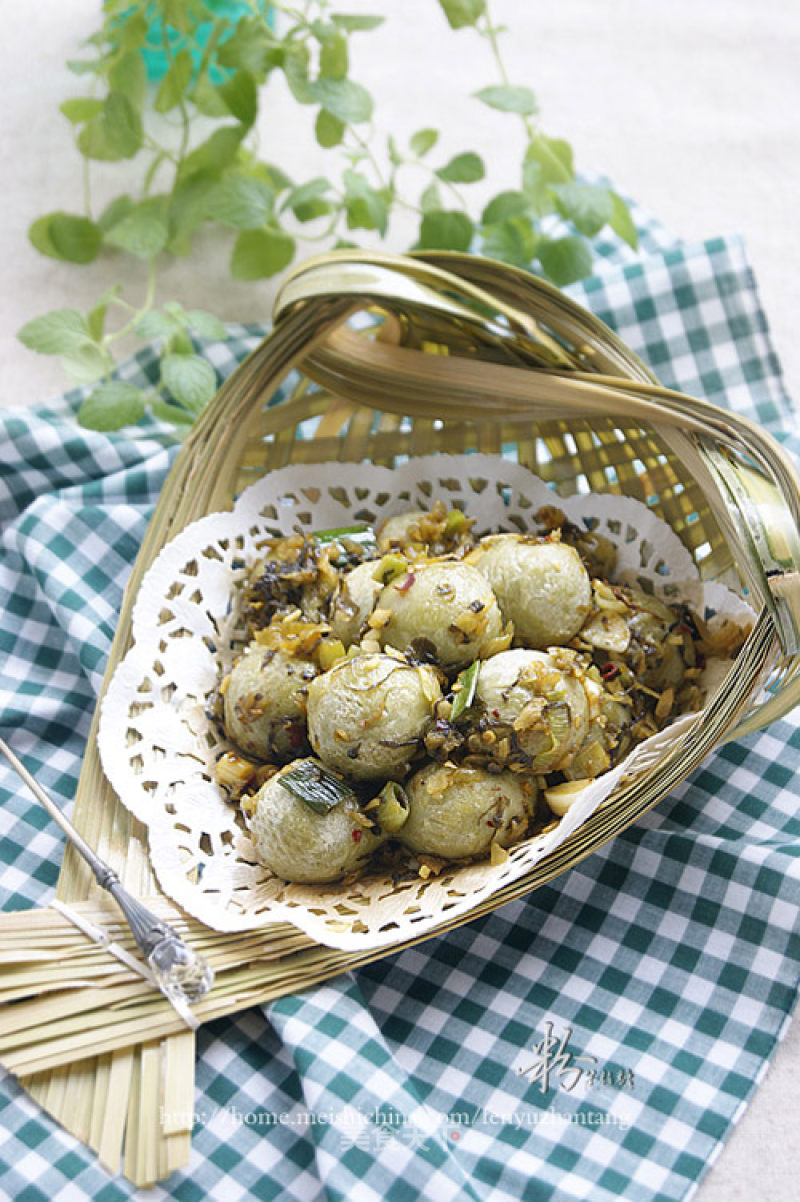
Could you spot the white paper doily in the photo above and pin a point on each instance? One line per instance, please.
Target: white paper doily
(158, 746)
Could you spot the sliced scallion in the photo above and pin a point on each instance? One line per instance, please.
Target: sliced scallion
(317, 786)
(464, 696)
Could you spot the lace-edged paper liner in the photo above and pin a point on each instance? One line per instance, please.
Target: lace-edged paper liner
(158, 746)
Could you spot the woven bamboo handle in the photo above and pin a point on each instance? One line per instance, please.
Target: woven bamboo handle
(482, 315)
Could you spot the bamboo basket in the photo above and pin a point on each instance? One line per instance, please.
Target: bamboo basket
(445, 353)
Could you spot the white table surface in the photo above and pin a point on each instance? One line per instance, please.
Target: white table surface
(693, 107)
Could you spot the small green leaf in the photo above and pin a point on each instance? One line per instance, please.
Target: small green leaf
(74, 239)
(295, 67)
(512, 241)
(191, 380)
(240, 94)
(205, 325)
(343, 98)
(96, 317)
(622, 222)
(156, 324)
(240, 202)
(122, 126)
(113, 213)
(251, 47)
(463, 169)
(258, 254)
(81, 109)
(328, 130)
(303, 194)
(565, 260)
(588, 207)
(173, 86)
(129, 76)
(431, 199)
(55, 333)
(423, 141)
(85, 364)
(39, 237)
(205, 95)
(354, 24)
(112, 405)
(144, 231)
(462, 13)
(443, 229)
(553, 157)
(171, 413)
(366, 207)
(509, 98)
(505, 204)
(216, 153)
(333, 58)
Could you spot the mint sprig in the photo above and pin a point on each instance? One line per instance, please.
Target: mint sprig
(193, 135)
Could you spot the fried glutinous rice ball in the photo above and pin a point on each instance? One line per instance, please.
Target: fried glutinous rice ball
(458, 812)
(542, 703)
(448, 604)
(366, 716)
(541, 586)
(264, 703)
(300, 844)
(353, 602)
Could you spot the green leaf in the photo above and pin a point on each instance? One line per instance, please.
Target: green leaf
(423, 141)
(343, 98)
(251, 47)
(55, 333)
(504, 205)
(295, 67)
(85, 364)
(431, 199)
(81, 109)
(565, 260)
(144, 231)
(96, 317)
(75, 239)
(122, 126)
(157, 324)
(39, 237)
(189, 202)
(258, 254)
(317, 786)
(553, 158)
(112, 405)
(205, 95)
(129, 76)
(588, 207)
(366, 207)
(240, 95)
(205, 325)
(191, 380)
(216, 153)
(240, 202)
(354, 24)
(463, 169)
(306, 201)
(173, 86)
(443, 229)
(328, 130)
(509, 98)
(113, 213)
(461, 13)
(511, 241)
(622, 222)
(333, 58)
(171, 413)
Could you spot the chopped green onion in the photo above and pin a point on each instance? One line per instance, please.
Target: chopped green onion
(363, 536)
(317, 786)
(392, 809)
(463, 698)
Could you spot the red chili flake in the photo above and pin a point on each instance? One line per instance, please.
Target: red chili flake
(406, 585)
(356, 835)
(609, 671)
(495, 713)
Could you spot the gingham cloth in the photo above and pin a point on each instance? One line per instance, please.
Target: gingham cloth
(597, 1039)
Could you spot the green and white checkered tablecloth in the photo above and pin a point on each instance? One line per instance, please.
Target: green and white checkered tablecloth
(595, 1040)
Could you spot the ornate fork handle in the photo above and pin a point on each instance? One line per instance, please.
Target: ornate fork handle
(177, 970)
